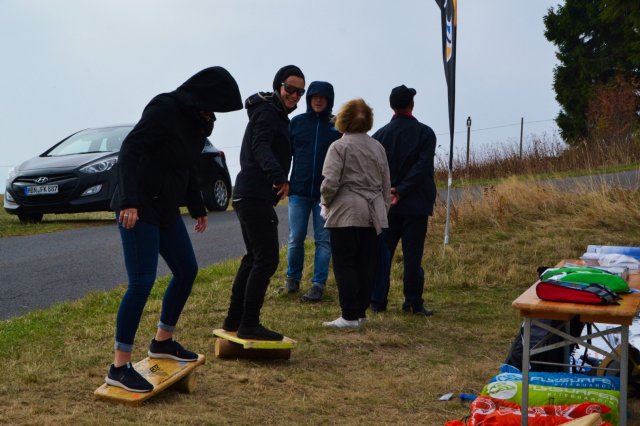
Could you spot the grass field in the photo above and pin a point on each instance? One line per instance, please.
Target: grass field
(389, 372)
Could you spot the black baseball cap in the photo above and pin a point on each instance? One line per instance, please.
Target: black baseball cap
(401, 97)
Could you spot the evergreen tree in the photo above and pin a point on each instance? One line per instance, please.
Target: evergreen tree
(597, 40)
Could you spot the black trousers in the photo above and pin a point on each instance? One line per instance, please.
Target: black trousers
(259, 225)
(352, 252)
(412, 229)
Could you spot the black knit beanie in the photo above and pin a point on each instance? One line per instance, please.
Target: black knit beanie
(284, 73)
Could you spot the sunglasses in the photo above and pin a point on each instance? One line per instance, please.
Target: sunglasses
(293, 89)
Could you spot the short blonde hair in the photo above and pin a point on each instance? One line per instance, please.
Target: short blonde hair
(354, 116)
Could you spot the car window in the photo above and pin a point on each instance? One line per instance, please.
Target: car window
(107, 139)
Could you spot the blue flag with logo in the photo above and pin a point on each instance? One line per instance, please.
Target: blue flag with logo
(448, 9)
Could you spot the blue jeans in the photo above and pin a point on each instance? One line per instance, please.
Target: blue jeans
(300, 208)
(141, 246)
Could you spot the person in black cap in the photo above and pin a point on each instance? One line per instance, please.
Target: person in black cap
(265, 159)
(410, 147)
(156, 173)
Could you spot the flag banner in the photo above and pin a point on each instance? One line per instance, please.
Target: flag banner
(448, 9)
(449, 18)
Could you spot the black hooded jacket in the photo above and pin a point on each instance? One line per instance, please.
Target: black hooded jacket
(156, 164)
(265, 155)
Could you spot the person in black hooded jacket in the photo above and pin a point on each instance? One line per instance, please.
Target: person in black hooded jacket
(265, 159)
(156, 172)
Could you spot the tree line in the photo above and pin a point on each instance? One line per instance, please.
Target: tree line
(597, 82)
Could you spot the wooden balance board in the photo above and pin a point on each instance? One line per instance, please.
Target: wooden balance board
(229, 345)
(162, 373)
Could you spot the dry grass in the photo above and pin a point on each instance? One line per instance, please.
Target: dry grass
(541, 156)
(390, 372)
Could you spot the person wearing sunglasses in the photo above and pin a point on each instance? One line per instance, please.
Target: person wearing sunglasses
(311, 135)
(265, 159)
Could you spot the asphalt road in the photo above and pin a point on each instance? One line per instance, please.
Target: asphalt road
(40, 270)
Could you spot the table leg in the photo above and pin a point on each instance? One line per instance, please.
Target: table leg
(526, 349)
(624, 373)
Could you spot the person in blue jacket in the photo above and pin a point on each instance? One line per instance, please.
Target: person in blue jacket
(311, 134)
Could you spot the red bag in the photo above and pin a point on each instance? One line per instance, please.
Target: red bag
(488, 411)
(563, 291)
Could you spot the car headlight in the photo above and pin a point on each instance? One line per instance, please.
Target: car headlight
(100, 166)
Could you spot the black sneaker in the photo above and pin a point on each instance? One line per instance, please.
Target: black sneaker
(230, 325)
(313, 295)
(291, 285)
(128, 378)
(420, 311)
(170, 349)
(377, 308)
(258, 333)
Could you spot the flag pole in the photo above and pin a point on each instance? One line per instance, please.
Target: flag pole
(448, 9)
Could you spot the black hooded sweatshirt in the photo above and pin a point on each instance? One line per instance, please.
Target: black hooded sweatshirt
(156, 164)
(265, 155)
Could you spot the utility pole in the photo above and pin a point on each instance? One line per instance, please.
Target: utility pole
(521, 128)
(468, 138)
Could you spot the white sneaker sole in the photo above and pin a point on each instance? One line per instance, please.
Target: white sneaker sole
(116, 383)
(169, 356)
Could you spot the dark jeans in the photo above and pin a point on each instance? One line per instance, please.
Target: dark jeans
(141, 246)
(352, 249)
(413, 231)
(259, 225)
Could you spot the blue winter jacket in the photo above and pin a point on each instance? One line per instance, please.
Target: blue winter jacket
(311, 134)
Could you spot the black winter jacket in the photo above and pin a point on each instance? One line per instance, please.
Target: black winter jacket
(410, 147)
(311, 135)
(265, 155)
(156, 164)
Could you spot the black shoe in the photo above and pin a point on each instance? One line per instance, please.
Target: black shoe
(128, 378)
(258, 333)
(313, 295)
(420, 311)
(170, 349)
(291, 285)
(230, 325)
(377, 308)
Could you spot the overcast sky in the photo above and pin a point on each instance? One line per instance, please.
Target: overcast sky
(72, 64)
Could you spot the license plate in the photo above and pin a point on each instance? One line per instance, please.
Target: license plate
(40, 189)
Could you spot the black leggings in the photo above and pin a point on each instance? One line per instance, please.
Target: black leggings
(259, 224)
(354, 250)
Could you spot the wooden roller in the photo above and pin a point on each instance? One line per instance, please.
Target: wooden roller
(187, 384)
(227, 349)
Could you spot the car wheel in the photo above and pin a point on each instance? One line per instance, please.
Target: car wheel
(26, 218)
(216, 197)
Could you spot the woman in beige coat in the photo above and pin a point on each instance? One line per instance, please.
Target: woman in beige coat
(355, 196)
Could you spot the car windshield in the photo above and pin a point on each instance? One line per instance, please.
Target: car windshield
(108, 139)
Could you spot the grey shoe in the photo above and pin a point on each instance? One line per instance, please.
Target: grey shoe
(313, 295)
(291, 285)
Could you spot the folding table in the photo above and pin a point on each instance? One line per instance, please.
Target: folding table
(532, 309)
